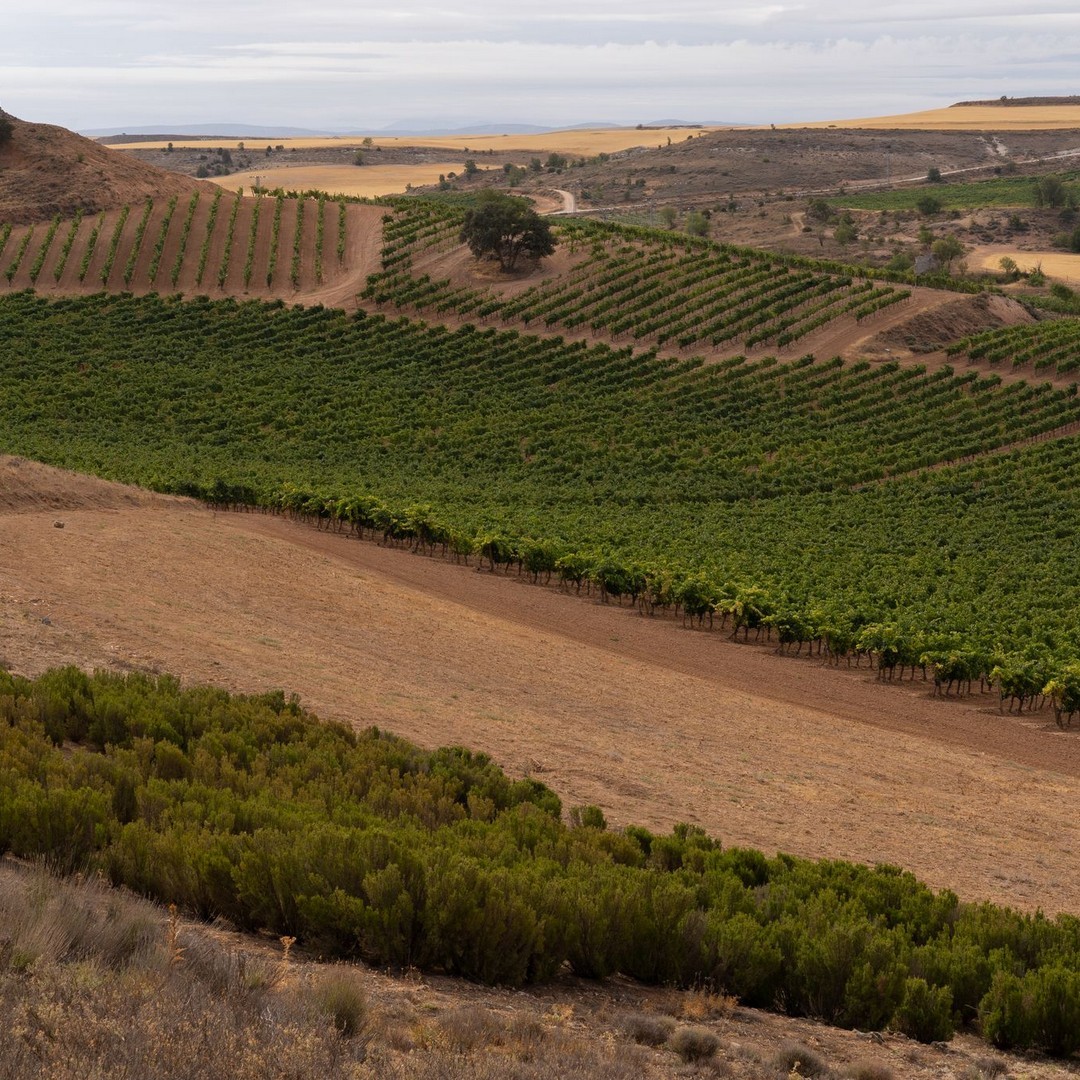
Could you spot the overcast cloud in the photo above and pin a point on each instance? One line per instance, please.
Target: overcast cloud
(348, 66)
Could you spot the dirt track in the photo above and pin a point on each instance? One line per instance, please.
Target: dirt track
(653, 723)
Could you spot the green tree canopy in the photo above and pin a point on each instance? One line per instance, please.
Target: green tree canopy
(505, 227)
(946, 249)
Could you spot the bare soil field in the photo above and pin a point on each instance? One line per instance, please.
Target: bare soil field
(652, 722)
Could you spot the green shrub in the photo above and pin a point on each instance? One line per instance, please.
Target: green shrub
(742, 957)
(1005, 1014)
(1055, 999)
(962, 966)
(588, 817)
(925, 1012)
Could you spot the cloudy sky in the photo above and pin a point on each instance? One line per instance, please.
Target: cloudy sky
(343, 64)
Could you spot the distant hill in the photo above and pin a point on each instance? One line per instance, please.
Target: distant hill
(1071, 99)
(47, 170)
(418, 126)
(158, 132)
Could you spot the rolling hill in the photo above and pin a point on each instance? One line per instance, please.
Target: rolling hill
(47, 170)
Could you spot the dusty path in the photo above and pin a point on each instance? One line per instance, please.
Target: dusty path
(653, 723)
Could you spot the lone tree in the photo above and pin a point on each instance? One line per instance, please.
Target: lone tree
(505, 227)
(946, 250)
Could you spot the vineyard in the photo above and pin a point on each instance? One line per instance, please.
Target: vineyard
(1001, 191)
(207, 243)
(1046, 348)
(763, 498)
(656, 288)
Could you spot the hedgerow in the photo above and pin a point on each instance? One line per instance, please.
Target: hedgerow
(363, 845)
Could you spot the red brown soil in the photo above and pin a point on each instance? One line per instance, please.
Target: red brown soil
(47, 170)
(653, 723)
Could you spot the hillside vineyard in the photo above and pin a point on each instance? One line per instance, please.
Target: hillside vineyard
(814, 503)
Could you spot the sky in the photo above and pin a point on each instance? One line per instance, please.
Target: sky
(350, 65)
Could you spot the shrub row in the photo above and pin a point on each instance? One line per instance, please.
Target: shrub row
(363, 845)
(114, 244)
(159, 242)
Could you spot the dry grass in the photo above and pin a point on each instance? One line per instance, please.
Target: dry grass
(41, 924)
(365, 180)
(648, 1029)
(867, 1069)
(701, 1005)
(694, 1043)
(585, 143)
(339, 995)
(795, 1057)
(969, 118)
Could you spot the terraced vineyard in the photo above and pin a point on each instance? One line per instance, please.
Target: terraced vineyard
(210, 243)
(740, 493)
(1045, 348)
(657, 288)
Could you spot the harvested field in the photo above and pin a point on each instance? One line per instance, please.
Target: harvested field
(968, 118)
(585, 142)
(1057, 265)
(651, 722)
(367, 181)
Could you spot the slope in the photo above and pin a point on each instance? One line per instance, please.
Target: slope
(47, 170)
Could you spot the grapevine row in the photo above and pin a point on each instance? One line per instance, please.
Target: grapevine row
(705, 490)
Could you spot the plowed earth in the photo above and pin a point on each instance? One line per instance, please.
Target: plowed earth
(653, 722)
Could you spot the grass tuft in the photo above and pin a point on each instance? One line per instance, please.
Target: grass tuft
(797, 1057)
(694, 1044)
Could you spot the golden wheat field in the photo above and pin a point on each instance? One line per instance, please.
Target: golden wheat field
(1057, 265)
(586, 142)
(364, 180)
(969, 118)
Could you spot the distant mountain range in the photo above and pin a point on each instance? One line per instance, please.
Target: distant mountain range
(418, 127)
